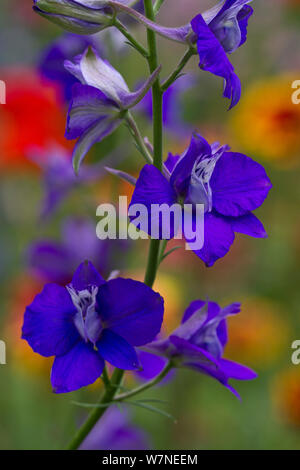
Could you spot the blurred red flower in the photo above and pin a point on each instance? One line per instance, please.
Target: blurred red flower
(33, 117)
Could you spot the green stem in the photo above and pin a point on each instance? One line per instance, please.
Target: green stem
(142, 147)
(97, 413)
(174, 75)
(157, 96)
(162, 251)
(141, 49)
(105, 377)
(146, 386)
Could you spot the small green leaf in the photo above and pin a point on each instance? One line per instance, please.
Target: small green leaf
(153, 409)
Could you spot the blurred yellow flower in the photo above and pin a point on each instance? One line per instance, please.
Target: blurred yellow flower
(258, 335)
(266, 123)
(286, 395)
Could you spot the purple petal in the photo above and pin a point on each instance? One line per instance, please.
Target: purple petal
(236, 371)
(191, 352)
(151, 365)
(215, 373)
(131, 309)
(152, 187)
(213, 59)
(181, 174)
(86, 275)
(171, 161)
(226, 23)
(87, 107)
(78, 368)
(93, 135)
(192, 308)
(128, 100)
(243, 18)
(248, 224)
(48, 322)
(218, 238)
(115, 350)
(239, 184)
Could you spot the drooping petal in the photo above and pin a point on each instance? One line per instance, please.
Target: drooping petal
(117, 351)
(213, 59)
(92, 116)
(87, 108)
(181, 174)
(49, 322)
(85, 276)
(80, 367)
(130, 309)
(94, 134)
(152, 187)
(218, 238)
(215, 373)
(239, 184)
(248, 224)
(236, 371)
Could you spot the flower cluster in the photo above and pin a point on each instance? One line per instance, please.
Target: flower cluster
(90, 320)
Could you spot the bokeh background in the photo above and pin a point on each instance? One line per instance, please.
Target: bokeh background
(35, 242)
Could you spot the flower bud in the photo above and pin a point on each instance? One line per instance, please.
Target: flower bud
(80, 16)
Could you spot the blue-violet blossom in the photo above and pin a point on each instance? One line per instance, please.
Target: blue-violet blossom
(91, 321)
(199, 342)
(220, 31)
(99, 104)
(230, 186)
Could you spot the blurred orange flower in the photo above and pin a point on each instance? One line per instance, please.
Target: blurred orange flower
(267, 122)
(286, 395)
(258, 335)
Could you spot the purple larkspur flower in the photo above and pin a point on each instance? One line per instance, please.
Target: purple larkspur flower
(115, 432)
(91, 321)
(230, 186)
(220, 31)
(99, 103)
(55, 260)
(76, 16)
(199, 342)
(58, 176)
(217, 32)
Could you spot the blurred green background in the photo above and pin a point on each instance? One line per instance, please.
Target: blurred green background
(263, 275)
